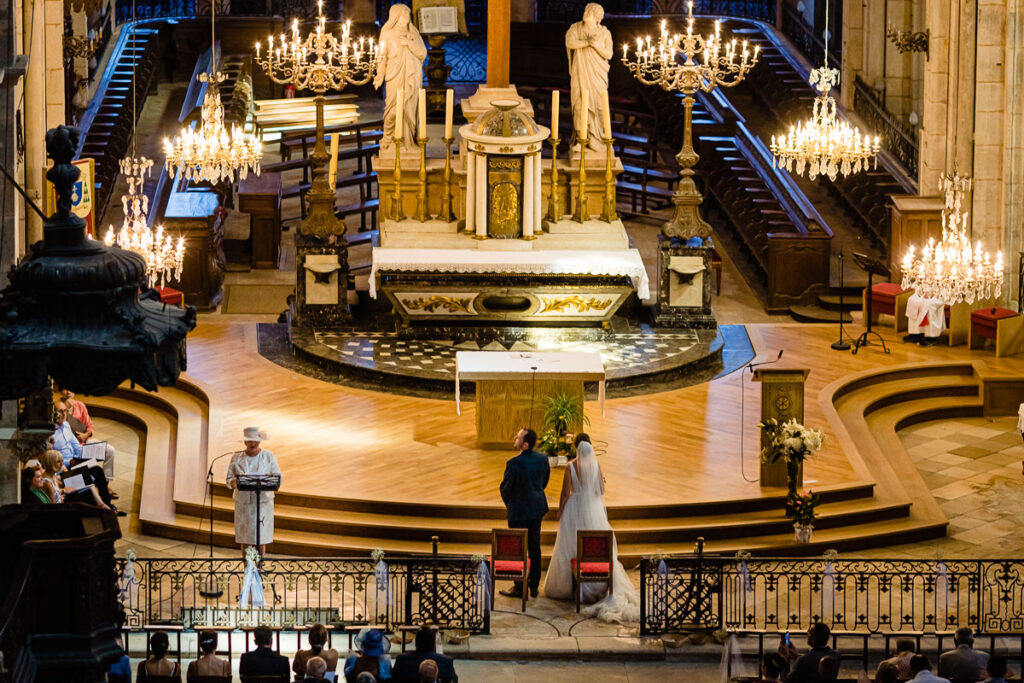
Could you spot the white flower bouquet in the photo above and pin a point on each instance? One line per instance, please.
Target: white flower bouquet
(790, 441)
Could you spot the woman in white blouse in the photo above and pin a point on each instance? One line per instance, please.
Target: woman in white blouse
(253, 460)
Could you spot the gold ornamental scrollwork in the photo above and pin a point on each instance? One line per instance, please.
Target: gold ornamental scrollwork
(431, 304)
(559, 304)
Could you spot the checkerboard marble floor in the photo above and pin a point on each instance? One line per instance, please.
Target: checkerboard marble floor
(973, 468)
(436, 358)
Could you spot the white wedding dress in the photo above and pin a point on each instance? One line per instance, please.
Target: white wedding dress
(585, 510)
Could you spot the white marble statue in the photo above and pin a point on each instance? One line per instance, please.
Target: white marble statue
(400, 68)
(589, 46)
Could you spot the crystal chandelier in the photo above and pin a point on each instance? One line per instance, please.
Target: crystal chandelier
(952, 270)
(688, 63)
(211, 153)
(824, 144)
(163, 256)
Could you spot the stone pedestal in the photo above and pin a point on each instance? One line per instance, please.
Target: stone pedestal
(684, 285)
(321, 282)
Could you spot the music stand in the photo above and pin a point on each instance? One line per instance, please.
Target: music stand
(258, 483)
(872, 267)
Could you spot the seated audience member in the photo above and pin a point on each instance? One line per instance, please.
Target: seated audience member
(901, 660)
(428, 671)
(262, 661)
(32, 492)
(963, 663)
(996, 669)
(922, 670)
(406, 669)
(371, 646)
(53, 484)
(81, 426)
(828, 669)
(158, 664)
(122, 668)
(209, 664)
(316, 667)
(67, 445)
(888, 673)
(772, 666)
(366, 677)
(805, 668)
(317, 640)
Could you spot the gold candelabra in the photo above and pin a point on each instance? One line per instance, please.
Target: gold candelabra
(397, 212)
(319, 62)
(446, 214)
(671, 64)
(421, 196)
(554, 199)
(582, 212)
(608, 212)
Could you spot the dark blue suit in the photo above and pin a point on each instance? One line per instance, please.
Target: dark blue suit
(522, 489)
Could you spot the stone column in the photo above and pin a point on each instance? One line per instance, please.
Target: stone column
(898, 67)
(934, 122)
(853, 50)
(481, 195)
(538, 191)
(1013, 147)
(988, 103)
(529, 196)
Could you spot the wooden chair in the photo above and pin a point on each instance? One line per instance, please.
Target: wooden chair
(509, 560)
(594, 561)
(887, 298)
(1002, 325)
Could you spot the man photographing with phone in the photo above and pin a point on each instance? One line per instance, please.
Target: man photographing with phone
(805, 667)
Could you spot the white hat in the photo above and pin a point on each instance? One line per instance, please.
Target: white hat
(253, 434)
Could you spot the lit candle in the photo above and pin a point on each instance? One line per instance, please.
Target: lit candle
(555, 104)
(257, 49)
(422, 108)
(607, 118)
(581, 134)
(625, 48)
(449, 106)
(399, 114)
(333, 175)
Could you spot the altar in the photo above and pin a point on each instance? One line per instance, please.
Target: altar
(511, 388)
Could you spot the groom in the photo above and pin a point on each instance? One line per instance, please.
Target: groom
(522, 489)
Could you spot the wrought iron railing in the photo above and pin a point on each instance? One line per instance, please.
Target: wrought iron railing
(435, 589)
(866, 596)
(898, 138)
(812, 46)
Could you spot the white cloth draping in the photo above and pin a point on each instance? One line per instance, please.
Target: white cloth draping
(570, 262)
(919, 308)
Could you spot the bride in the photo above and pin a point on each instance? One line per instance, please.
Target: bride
(582, 507)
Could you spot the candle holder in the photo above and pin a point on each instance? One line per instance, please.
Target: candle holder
(582, 209)
(554, 200)
(608, 213)
(421, 196)
(397, 210)
(446, 202)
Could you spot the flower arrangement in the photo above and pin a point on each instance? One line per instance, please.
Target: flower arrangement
(129, 555)
(801, 507)
(791, 442)
(377, 554)
(252, 555)
(561, 413)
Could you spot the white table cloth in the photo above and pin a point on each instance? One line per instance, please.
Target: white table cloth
(513, 365)
(621, 262)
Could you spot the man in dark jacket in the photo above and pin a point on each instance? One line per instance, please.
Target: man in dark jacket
(522, 489)
(805, 668)
(263, 661)
(407, 666)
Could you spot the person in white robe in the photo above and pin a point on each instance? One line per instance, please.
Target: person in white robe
(589, 47)
(583, 508)
(253, 460)
(400, 70)
(926, 319)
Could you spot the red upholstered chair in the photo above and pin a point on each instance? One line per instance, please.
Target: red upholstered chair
(171, 297)
(508, 559)
(593, 562)
(1003, 326)
(887, 298)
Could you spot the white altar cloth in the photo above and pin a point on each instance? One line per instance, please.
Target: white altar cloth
(583, 262)
(513, 365)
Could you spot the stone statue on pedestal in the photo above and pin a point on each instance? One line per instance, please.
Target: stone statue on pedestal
(400, 68)
(589, 46)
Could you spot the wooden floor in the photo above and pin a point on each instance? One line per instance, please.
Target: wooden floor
(679, 446)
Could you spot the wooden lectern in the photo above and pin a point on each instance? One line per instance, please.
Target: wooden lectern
(782, 398)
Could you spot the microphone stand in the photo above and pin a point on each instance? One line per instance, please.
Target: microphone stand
(211, 591)
(743, 406)
(841, 344)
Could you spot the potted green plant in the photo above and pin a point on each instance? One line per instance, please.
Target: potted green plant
(562, 414)
(801, 507)
(792, 443)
